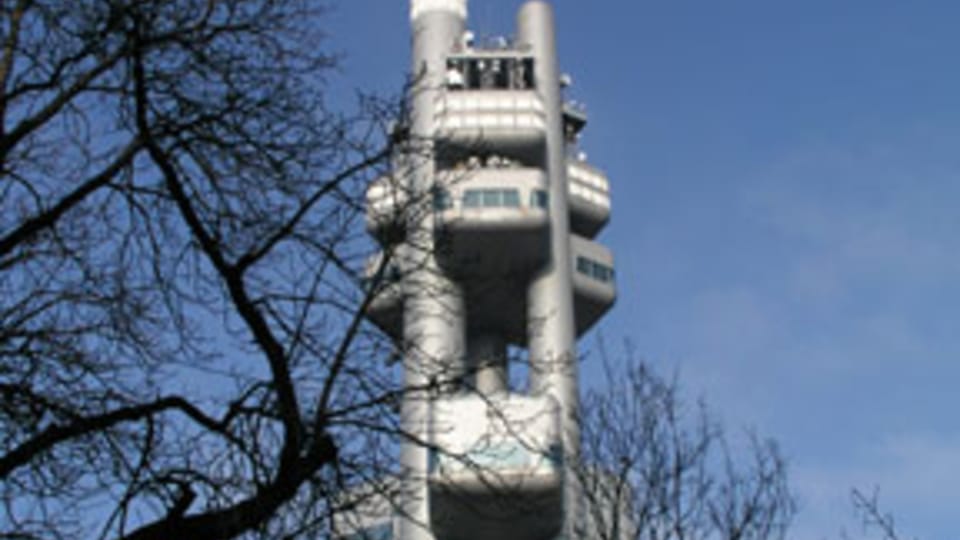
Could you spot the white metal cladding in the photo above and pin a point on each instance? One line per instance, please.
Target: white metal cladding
(495, 109)
(510, 435)
(589, 184)
(583, 173)
(419, 7)
(490, 100)
(590, 196)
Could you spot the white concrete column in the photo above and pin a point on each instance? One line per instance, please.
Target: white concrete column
(434, 312)
(551, 325)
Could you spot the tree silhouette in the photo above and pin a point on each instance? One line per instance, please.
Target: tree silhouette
(655, 468)
(180, 272)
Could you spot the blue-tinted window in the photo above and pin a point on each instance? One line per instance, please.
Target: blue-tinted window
(441, 199)
(471, 198)
(602, 273)
(584, 265)
(595, 270)
(539, 199)
(491, 198)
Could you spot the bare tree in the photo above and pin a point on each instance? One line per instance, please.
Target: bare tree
(873, 517)
(656, 469)
(182, 353)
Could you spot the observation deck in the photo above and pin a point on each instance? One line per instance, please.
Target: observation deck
(594, 287)
(495, 468)
(493, 220)
(510, 121)
(589, 200)
(490, 102)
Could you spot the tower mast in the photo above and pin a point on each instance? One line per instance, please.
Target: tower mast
(497, 212)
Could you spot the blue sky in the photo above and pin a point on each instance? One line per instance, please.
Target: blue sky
(786, 182)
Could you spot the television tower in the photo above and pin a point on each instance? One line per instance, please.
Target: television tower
(487, 227)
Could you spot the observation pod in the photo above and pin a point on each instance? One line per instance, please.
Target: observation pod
(496, 470)
(589, 198)
(594, 287)
(492, 221)
(489, 102)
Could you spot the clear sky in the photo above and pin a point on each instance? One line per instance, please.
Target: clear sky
(786, 181)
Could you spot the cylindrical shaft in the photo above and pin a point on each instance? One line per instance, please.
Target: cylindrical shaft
(433, 311)
(551, 325)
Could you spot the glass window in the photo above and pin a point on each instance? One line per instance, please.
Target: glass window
(492, 73)
(594, 270)
(527, 73)
(539, 199)
(491, 198)
(501, 74)
(441, 199)
(602, 273)
(471, 199)
(584, 266)
(473, 74)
